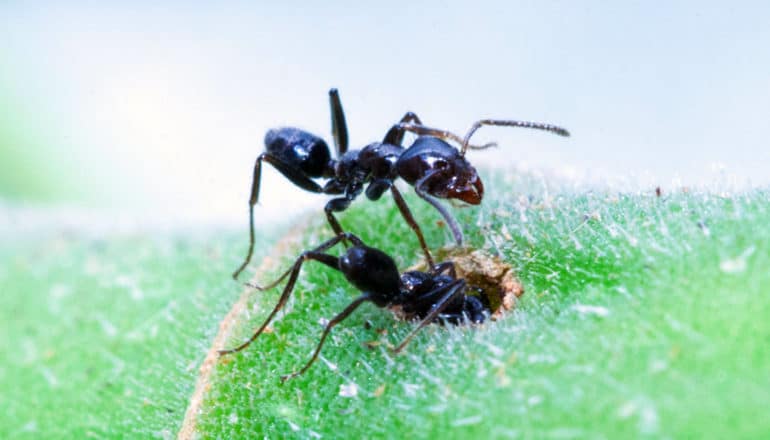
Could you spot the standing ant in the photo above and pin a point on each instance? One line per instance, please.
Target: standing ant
(435, 168)
(429, 296)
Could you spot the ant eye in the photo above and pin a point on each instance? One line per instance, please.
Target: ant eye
(441, 163)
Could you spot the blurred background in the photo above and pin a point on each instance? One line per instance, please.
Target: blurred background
(158, 112)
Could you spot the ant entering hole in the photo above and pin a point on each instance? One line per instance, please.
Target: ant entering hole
(439, 294)
(495, 281)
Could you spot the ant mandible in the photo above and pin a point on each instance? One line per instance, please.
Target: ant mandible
(429, 296)
(435, 168)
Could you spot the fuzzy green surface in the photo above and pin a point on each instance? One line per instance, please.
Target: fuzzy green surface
(642, 315)
(104, 337)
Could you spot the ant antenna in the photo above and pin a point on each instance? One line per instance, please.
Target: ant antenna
(510, 123)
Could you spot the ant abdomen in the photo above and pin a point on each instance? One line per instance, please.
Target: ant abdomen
(371, 270)
(299, 149)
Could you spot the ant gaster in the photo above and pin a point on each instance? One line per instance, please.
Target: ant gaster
(435, 168)
(436, 295)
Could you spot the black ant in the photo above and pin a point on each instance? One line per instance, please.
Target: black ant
(429, 296)
(434, 167)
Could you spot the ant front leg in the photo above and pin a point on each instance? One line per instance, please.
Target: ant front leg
(290, 172)
(316, 254)
(453, 225)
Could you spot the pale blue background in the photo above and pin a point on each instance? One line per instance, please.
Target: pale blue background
(165, 107)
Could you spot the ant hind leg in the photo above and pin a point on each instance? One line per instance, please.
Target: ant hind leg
(316, 254)
(336, 320)
(291, 173)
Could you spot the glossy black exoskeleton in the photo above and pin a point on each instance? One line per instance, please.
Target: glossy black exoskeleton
(435, 169)
(434, 296)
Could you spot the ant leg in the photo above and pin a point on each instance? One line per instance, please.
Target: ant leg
(407, 214)
(445, 267)
(314, 254)
(396, 134)
(453, 289)
(345, 236)
(411, 117)
(473, 310)
(423, 130)
(336, 205)
(339, 126)
(336, 320)
(453, 225)
(510, 123)
(377, 188)
(294, 175)
(326, 259)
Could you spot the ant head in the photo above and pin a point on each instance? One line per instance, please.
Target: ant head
(440, 170)
(460, 181)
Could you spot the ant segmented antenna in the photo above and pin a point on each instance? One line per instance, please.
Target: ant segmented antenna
(424, 130)
(510, 123)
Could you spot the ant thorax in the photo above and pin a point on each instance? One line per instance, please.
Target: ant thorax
(347, 168)
(380, 160)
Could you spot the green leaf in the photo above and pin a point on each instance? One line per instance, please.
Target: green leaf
(642, 315)
(104, 337)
